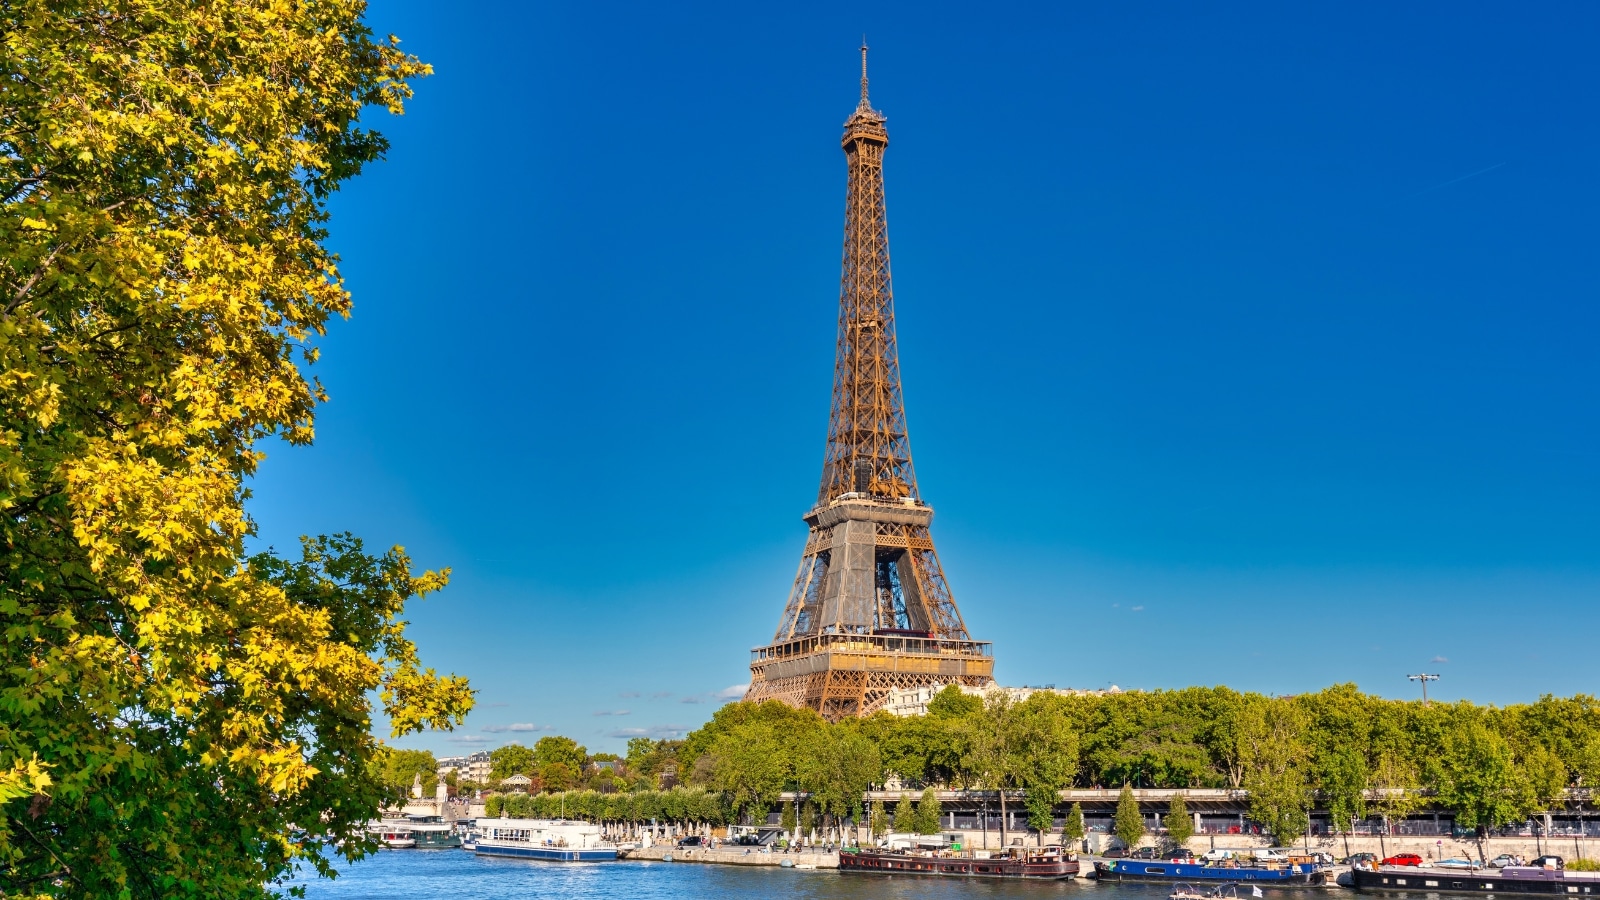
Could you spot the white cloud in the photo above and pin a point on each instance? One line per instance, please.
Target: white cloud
(732, 692)
(629, 695)
(1138, 609)
(695, 699)
(654, 731)
(515, 726)
(1438, 659)
(466, 739)
(612, 712)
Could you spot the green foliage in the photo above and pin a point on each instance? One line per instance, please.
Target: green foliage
(1338, 741)
(789, 820)
(1583, 865)
(1180, 826)
(557, 777)
(750, 765)
(952, 703)
(836, 768)
(1128, 823)
(905, 817)
(1478, 777)
(1343, 778)
(880, 819)
(1267, 743)
(512, 759)
(1074, 828)
(691, 806)
(398, 770)
(553, 749)
(174, 707)
(927, 813)
(1040, 805)
(1396, 782)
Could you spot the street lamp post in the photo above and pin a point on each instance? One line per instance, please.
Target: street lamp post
(1424, 678)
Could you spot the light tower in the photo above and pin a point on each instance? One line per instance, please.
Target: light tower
(1424, 678)
(870, 610)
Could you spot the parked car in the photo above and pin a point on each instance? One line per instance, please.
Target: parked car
(1116, 853)
(1554, 862)
(1179, 854)
(1503, 860)
(693, 840)
(1403, 859)
(1146, 853)
(1360, 859)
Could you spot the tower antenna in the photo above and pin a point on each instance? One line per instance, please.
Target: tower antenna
(864, 71)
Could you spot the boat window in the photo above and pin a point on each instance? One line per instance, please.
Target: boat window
(1154, 870)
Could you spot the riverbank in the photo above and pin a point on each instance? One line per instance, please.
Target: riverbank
(732, 856)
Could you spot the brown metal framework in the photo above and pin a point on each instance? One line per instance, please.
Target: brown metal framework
(870, 609)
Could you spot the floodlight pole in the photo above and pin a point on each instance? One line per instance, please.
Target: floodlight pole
(1424, 678)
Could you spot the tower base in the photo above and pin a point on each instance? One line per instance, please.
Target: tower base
(845, 675)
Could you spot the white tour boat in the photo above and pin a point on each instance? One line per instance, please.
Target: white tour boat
(556, 840)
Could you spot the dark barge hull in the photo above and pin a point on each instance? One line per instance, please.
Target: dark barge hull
(956, 867)
(1160, 872)
(1519, 880)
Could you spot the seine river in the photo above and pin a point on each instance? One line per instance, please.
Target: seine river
(414, 874)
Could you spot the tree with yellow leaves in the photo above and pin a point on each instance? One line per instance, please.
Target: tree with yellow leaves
(178, 718)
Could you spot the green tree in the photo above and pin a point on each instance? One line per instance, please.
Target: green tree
(836, 767)
(1273, 756)
(1396, 791)
(555, 748)
(555, 777)
(953, 703)
(1011, 746)
(1128, 823)
(789, 821)
(928, 812)
(512, 759)
(1074, 829)
(880, 819)
(174, 706)
(1040, 805)
(1478, 778)
(1180, 827)
(905, 816)
(398, 770)
(1342, 779)
(749, 764)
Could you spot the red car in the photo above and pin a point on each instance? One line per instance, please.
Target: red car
(1403, 859)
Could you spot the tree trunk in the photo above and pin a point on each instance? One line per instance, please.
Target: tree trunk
(1002, 818)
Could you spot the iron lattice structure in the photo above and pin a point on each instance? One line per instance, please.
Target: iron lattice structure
(870, 610)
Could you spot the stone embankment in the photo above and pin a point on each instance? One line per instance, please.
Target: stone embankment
(733, 856)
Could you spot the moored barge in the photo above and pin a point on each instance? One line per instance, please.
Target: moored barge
(1170, 871)
(1048, 863)
(1404, 880)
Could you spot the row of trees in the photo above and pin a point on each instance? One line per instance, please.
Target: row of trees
(1353, 754)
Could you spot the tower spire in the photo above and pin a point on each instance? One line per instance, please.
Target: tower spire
(864, 103)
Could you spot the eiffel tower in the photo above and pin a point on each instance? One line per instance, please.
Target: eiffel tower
(870, 610)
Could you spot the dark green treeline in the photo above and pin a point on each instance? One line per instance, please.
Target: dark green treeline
(1336, 749)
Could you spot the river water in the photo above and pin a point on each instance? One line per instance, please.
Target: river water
(417, 874)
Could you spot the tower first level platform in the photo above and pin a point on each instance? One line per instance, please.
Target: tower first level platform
(869, 613)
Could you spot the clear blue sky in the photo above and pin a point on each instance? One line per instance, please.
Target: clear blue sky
(1252, 346)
